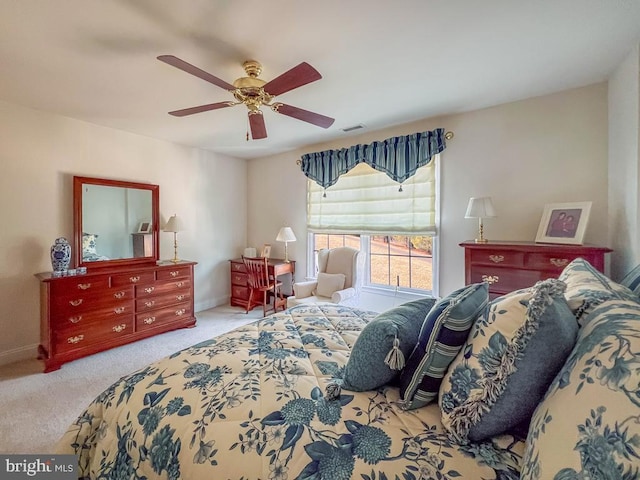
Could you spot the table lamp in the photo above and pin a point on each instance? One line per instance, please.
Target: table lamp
(480, 207)
(174, 226)
(286, 235)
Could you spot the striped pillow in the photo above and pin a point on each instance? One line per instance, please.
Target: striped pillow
(442, 335)
(632, 280)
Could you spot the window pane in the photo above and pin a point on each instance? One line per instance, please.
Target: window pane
(380, 244)
(379, 269)
(421, 273)
(400, 272)
(320, 241)
(421, 245)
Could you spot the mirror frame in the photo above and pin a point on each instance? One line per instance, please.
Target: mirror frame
(78, 183)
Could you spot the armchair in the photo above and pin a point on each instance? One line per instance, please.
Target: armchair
(339, 279)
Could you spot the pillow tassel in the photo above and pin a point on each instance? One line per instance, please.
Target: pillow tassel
(395, 357)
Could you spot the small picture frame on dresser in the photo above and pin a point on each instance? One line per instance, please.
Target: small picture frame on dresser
(266, 251)
(564, 223)
(144, 227)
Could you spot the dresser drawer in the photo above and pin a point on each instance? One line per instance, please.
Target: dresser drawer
(241, 293)
(135, 278)
(238, 267)
(505, 280)
(65, 318)
(79, 284)
(163, 316)
(171, 273)
(239, 279)
(81, 336)
(150, 303)
(551, 261)
(87, 300)
(143, 291)
(497, 257)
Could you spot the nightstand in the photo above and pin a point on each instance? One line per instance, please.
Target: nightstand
(508, 266)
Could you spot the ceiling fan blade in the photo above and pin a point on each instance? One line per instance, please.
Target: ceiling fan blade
(187, 67)
(296, 77)
(202, 108)
(304, 115)
(258, 128)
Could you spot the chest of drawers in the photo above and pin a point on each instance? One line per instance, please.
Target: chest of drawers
(84, 314)
(508, 266)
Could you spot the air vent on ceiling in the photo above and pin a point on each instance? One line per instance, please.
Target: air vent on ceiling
(354, 127)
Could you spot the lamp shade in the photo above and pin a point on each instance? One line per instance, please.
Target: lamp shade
(480, 207)
(286, 235)
(173, 224)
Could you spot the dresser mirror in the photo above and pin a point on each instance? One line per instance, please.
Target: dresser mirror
(115, 222)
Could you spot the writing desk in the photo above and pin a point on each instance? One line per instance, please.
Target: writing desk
(240, 281)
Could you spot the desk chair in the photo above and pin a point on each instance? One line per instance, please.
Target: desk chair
(259, 282)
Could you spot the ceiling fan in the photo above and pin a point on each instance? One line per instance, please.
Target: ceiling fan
(255, 92)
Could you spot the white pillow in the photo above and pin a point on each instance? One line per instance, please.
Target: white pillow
(329, 283)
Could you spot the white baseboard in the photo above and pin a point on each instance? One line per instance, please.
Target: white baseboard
(211, 303)
(19, 354)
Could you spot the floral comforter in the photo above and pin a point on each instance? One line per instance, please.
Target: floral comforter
(252, 404)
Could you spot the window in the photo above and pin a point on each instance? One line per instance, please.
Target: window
(394, 227)
(391, 260)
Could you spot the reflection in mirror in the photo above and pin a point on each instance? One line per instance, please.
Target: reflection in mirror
(111, 218)
(115, 222)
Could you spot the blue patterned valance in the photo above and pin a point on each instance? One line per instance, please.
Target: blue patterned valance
(398, 157)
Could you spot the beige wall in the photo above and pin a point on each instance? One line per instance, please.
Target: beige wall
(40, 153)
(524, 154)
(624, 156)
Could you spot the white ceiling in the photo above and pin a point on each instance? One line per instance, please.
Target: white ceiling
(383, 63)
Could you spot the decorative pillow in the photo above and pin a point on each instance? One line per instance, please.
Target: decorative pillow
(632, 280)
(443, 333)
(393, 333)
(513, 352)
(588, 288)
(89, 243)
(329, 283)
(587, 425)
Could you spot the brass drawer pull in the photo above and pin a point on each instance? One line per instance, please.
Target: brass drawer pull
(84, 286)
(496, 258)
(150, 303)
(119, 310)
(75, 319)
(174, 273)
(490, 279)
(119, 328)
(149, 320)
(179, 297)
(149, 289)
(119, 294)
(559, 262)
(181, 312)
(75, 303)
(75, 339)
(134, 279)
(180, 284)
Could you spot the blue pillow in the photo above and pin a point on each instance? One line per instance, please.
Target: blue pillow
(514, 351)
(443, 333)
(394, 331)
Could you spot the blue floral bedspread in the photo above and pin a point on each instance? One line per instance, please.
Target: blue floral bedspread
(250, 404)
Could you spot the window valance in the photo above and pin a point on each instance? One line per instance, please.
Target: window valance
(398, 157)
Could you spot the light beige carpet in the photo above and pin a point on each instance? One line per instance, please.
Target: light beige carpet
(36, 408)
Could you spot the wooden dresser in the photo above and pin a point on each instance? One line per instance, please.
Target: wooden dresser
(509, 266)
(107, 307)
(240, 282)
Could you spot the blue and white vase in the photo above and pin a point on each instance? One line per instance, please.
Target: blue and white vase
(60, 255)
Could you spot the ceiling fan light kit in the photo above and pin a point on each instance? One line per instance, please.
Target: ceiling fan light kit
(254, 93)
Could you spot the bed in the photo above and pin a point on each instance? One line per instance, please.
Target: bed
(259, 403)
